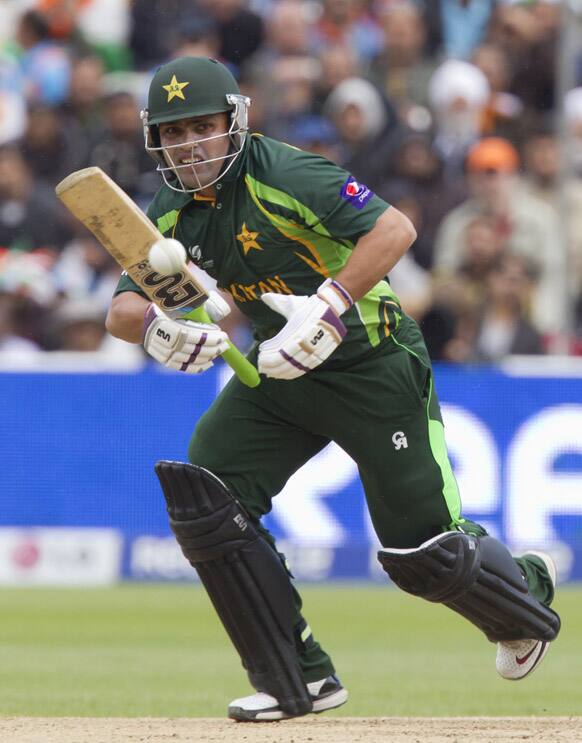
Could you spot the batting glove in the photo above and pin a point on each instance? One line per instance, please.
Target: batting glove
(312, 333)
(184, 345)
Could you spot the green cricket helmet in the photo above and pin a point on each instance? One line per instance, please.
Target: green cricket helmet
(184, 88)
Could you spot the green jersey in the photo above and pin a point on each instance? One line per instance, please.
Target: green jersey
(283, 221)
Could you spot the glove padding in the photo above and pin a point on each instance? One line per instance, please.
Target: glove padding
(184, 345)
(312, 333)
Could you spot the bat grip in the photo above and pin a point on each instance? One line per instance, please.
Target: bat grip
(241, 366)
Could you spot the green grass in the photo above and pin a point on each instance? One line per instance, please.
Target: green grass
(159, 651)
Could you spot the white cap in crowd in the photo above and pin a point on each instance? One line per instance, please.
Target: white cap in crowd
(456, 79)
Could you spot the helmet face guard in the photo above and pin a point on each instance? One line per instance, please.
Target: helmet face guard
(189, 88)
(236, 105)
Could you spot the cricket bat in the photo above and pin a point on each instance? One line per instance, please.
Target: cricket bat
(127, 234)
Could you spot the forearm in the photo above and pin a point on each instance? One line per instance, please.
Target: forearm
(376, 253)
(126, 317)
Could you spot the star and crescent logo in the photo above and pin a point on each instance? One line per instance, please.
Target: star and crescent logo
(174, 89)
(248, 239)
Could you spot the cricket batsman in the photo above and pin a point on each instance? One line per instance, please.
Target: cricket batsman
(304, 249)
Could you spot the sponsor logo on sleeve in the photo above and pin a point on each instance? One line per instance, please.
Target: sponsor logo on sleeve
(356, 193)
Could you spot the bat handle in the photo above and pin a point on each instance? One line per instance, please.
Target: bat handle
(241, 366)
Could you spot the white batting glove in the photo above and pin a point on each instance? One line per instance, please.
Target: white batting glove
(312, 333)
(184, 345)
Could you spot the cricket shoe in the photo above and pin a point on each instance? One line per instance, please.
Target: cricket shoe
(516, 659)
(260, 707)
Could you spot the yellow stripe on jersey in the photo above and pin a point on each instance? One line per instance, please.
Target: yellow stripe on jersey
(286, 227)
(167, 221)
(387, 321)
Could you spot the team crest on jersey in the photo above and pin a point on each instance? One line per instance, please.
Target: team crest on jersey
(356, 193)
(174, 89)
(248, 239)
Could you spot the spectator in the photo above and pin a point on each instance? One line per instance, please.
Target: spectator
(52, 148)
(29, 298)
(541, 158)
(45, 65)
(502, 327)
(61, 17)
(561, 190)
(287, 30)
(30, 215)
(83, 107)
(12, 101)
(502, 115)
(336, 65)
(529, 226)
(241, 30)
(294, 83)
(316, 134)
(368, 127)
(155, 29)
(11, 342)
(419, 178)
(120, 152)
(412, 284)
(286, 40)
(449, 322)
(483, 248)
(79, 326)
(199, 36)
(530, 40)
(348, 23)
(459, 95)
(400, 193)
(85, 270)
(401, 69)
(457, 27)
(284, 69)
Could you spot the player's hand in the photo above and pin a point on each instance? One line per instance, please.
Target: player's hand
(312, 333)
(184, 345)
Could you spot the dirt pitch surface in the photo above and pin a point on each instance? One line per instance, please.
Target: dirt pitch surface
(306, 730)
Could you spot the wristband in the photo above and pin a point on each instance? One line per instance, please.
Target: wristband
(335, 295)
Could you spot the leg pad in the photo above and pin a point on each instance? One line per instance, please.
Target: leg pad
(476, 577)
(245, 579)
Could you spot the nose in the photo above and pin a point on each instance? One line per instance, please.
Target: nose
(190, 146)
(194, 135)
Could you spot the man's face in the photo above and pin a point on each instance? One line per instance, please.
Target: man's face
(196, 147)
(492, 187)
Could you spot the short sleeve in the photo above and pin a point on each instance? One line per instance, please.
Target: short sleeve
(344, 206)
(127, 284)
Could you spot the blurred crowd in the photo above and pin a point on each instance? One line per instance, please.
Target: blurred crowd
(446, 108)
